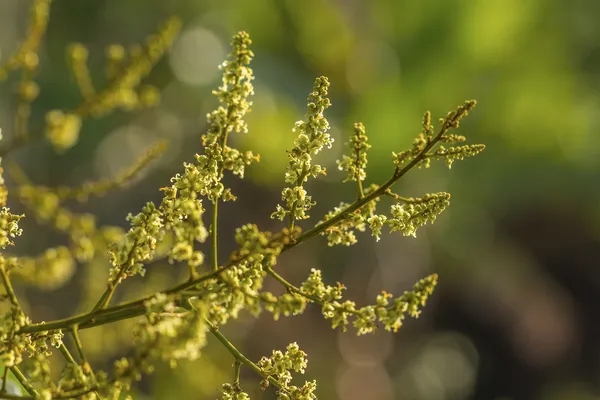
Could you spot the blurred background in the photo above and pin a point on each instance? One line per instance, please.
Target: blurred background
(515, 315)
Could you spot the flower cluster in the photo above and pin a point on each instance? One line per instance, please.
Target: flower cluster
(13, 345)
(406, 218)
(388, 313)
(287, 304)
(356, 163)
(127, 256)
(233, 392)
(419, 143)
(312, 138)
(236, 87)
(427, 139)
(279, 365)
(452, 154)
(344, 232)
(183, 216)
(171, 333)
(9, 227)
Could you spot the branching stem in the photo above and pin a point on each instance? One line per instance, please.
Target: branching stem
(238, 355)
(100, 316)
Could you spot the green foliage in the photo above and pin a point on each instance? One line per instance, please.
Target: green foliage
(172, 325)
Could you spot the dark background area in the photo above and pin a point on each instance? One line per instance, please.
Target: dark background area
(515, 313)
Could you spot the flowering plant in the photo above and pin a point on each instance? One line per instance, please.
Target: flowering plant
(172, 324)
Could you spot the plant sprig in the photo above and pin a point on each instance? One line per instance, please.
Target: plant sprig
(172, 324)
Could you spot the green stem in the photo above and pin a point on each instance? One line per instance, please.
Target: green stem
(238, 355)
(4, 376)
(119, 312)
(86, 366)
(291, 288)
(237, 366)
(8, 286)
(215, 248)
(292, 218)
(361, 192)
(6, 396)
(23, 381)
(112, 284)
(91, 319)
(66, 354)
(78, 344)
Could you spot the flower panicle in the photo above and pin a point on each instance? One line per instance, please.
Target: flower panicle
(355, 163)
(312, 137)
(426, 139)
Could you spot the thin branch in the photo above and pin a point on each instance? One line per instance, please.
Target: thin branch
(66, 354)
(8, 286)
(4, 376)
(101, 315)
(239, 356)
(24, 382)
(359, 203)
(237, 366)
(215, 248)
